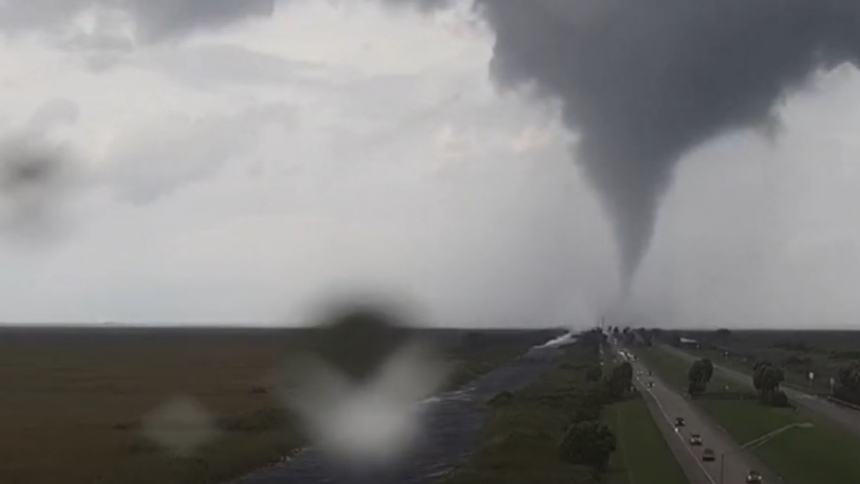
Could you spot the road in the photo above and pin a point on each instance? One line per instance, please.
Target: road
(844, 417)
(666, 405)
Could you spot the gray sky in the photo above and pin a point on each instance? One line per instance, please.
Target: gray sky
(237, 164)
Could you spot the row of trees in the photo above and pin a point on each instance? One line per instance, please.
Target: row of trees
(767, 378)
(588, 441)
(635, 336)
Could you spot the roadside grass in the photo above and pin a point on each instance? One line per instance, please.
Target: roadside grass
(520, 442)
(71, 407)
(642, 456)
(824, 453)
(794, 378)
(521, 437)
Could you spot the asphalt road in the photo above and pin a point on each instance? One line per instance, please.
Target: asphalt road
(666, 405)
(844, 417)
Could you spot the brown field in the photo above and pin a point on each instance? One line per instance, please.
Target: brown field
(71, 401)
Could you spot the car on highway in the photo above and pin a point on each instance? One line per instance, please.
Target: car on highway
(695, 439)
(754, 477)
(708, 455)
(679, 421)
(650, 384)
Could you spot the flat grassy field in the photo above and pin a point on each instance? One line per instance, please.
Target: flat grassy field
(522, 436)
(72, 400)
(797, 351)
(643, 456)
(824, 453)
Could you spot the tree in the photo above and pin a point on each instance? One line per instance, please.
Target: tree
(695, 388)
(699, 375)
(592, 338)
(707, 369)
(695, 378)
(620, 380)
(766, 379)
(847, 383)
(770, 393)
(625, 374)
(588, 442)
(757, 369)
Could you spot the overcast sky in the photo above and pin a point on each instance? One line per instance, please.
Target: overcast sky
(236, 164)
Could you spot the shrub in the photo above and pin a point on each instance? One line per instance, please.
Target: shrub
(588, 443)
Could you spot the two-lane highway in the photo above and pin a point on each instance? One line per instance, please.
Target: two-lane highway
(666, 405)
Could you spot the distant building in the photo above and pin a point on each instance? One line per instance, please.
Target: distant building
(689, 342)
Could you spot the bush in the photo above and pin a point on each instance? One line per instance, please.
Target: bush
(588, 443)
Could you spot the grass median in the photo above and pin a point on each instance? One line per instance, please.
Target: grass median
(824, 453)
(642, 456)
(520, 442)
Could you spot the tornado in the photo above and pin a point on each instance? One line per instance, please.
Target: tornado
(640, 83)
(643, 82)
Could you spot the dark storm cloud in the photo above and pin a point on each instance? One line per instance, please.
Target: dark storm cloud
(642, 82)
(645, 81)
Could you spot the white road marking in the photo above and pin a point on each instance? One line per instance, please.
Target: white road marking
(678, 433)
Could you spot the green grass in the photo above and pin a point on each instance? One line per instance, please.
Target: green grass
(642, 457)
(794, 378)
(824, 453)
(520, 443)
